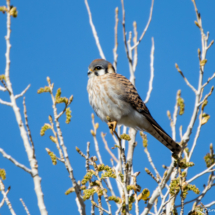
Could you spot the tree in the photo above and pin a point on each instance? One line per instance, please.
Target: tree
(97, 180)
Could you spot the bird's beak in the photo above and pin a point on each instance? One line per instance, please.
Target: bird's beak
(89, 72)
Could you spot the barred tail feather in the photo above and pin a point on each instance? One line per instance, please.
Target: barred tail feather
(165, 139)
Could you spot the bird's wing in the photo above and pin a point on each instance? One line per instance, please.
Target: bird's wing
(131, 96)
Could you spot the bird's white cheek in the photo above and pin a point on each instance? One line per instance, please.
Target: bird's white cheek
(101, 72)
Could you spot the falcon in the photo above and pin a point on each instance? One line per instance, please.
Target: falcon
(113, 95)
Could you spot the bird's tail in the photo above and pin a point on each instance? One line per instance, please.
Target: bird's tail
(165, 139)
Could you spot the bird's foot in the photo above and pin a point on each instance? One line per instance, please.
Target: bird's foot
(112, 126)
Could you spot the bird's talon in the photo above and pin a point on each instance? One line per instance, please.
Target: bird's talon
(112, 126)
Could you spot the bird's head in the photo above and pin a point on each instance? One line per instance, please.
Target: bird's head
(100, 67)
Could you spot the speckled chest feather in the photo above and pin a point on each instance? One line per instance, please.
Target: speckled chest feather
(104, 94)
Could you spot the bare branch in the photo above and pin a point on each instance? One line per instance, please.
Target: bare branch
(2, 189)
(199, 91)
(175, 116)
(124, 33)
(209, 79)
(135, 50)
(94, 31)
(152, 164)
(101, 208)
(5, 86)
(23, 92)
(195, 139)
(79, 200)
(210, 204)
(151, 72)
(202, 173)
(27, 126)
(5, 155)
(156, 193)
(146, 28)
(25, 207)
(123, 160)
(109, 185)
(206, 96)
(185, 79)
(198, 198)
(107, 148)
(211, 43)
(5, 103)
(115, 55)
(3, 200)
(3, 89)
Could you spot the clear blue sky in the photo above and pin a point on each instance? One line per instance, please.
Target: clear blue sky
(52, 38)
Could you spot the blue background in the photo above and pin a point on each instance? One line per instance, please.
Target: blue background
(55, 39)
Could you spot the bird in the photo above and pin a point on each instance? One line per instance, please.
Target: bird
(113, 96)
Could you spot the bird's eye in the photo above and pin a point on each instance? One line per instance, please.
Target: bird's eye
(98, 68)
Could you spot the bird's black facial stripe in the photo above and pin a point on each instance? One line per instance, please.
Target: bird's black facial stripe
(96, 73)
(106, 70)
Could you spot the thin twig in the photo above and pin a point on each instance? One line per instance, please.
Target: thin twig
(156, 193)
(124, 32)
(27, 126)
(3, 89)
(79, 200)
(109, 185)
(135, 50)
(107, 148)
(175, 116)
(200, 174)
(123, 159)
(2, 189)
(5, 86)
(101, 208)
(3, 200)
(198, 198)
(23, 92)
(88, 168)
(151, 72)
(5, 103)
(209, 79)
(94, 31)
(195, 138)
(152, 164)
(5, 155)
(207, 95)
(25, 207)
(210, 204)
(146, 28)
(115, 55)
(185, 79)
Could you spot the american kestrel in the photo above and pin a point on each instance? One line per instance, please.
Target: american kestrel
(113, 95)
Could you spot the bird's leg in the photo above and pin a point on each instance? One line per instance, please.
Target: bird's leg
(112, 126)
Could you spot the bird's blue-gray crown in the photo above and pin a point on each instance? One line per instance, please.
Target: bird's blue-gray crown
(100, 67)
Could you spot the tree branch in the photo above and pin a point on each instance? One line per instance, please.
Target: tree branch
(202, 173)
(25, 207)
(94, 31)
(107, 148)
(5, 155)
(151, 72)
(5, 103)
(2, 189)
(185, 79)
(23, 92)
(115, 55)
(146, 28)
